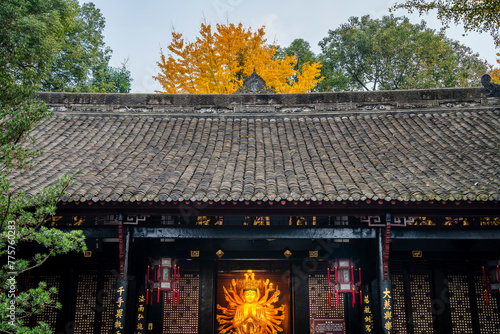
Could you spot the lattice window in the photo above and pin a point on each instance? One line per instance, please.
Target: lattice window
(107, 299)
(420, 295)
(182, 318)
(85, 304)
(399, 304)
(318, 299)
(50, 315)
(461, 319)
(489, 322)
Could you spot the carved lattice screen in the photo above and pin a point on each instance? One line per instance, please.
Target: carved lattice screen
(489, 322)
(399, 304)
(50, 316)
(107, 297)
(85, 304)
(318, 299)
(421, 312)
(182, 318)
(461, 320)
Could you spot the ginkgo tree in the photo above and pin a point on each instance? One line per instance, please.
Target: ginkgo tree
(495, 71)
(217, 62)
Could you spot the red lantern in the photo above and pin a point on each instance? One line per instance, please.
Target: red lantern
(344, 278)
(165, 277)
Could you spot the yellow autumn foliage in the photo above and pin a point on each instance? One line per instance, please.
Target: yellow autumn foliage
(218, 62)
(495, 72)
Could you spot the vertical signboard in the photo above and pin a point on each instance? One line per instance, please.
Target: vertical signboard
(120, 306)
(386, 315)
(141, 327)
(367, 312)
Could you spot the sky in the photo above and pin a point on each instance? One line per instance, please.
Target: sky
(138, 30)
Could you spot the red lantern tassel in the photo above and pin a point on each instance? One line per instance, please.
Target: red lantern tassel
(352, 275)
(329, 299)
(178, 293)
(485, 289)
(336, 280)
(148, 273)
(353, 297)
(360, 297)
(337, 298)
(328, 270)
(158, 298)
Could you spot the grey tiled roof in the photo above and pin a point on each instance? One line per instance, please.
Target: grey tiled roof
(403, 156)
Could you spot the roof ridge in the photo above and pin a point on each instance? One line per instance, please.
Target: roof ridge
(287, 114)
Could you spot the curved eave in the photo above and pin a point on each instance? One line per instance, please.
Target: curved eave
(285, 208)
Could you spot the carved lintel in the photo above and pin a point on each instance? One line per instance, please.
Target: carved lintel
(254, 84)
(490, 89)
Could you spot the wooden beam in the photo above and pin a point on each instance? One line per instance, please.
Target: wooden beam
(248, 232)
(446, 233)
(265, 232)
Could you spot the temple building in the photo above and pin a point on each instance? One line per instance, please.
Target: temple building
(256, 212)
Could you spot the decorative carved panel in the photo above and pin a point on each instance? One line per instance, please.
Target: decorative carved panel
(85, 304)
(489, 322)
(50, 315)
(461, 319)
(399, 304)
(421, 312)
(182, 318)
(318, 299)
(107, 301)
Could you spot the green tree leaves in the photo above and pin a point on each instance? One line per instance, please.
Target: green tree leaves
(82, 63)
(391, 53)
(475, 15)
(33, 35)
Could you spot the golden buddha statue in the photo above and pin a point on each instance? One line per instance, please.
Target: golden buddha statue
(248, 311)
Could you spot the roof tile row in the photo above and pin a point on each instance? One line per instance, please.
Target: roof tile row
(403, 156)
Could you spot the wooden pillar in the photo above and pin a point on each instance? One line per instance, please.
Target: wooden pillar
(300, 283)
(473, 298)
(139, 270)
(66, 321)
(121, 291)
(440, 303)
(384, 282)
(207, 296)
(119, 323)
